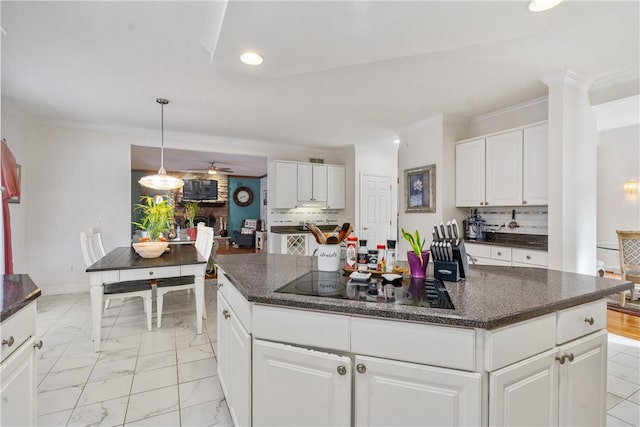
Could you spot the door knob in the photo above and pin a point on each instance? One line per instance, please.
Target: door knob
(38, 344)
(361, 368)
(561, 359)
(570, 357)
(365, 228)
(342, 370)
(225, 313)
(589, 320)
(8, 342)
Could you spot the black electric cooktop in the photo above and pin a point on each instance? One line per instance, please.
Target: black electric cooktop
(417, 292)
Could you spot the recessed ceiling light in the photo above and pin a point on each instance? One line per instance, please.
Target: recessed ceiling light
(251, 58)
(396, 141)
(542, 5)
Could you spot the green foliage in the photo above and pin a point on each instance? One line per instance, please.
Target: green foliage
(155, 215)
(190, 211)
(417, 245)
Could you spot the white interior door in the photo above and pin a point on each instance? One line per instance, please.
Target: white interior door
(375, 209)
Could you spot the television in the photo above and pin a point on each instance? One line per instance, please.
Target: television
(200, 190)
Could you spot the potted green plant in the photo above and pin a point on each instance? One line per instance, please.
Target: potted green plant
(155, 217)
(418, 258)
(190, 212)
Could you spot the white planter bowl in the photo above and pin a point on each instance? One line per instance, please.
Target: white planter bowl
(150, 249)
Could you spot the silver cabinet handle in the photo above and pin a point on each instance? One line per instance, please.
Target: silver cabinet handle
(38, 344)
(570, 357)
(151, 273)
(361, 368)
(561, 359)
(524, 202)
(589, 320)
(8, 342)
(220, 285)
(499, 253)
(226, 314)
(342, 370)
(528, 256)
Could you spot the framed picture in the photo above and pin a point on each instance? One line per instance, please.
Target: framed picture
(420, 189)
(16, 199)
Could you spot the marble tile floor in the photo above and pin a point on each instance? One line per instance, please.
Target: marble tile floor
(168, 377)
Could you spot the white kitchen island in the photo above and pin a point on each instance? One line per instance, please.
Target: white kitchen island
(522, 346)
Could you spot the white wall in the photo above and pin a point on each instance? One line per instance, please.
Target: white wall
(430, 141)
(618, 161)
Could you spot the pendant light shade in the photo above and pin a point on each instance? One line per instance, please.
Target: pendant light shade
(161, 181)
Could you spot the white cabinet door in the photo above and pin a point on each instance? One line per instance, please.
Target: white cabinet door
(525, 393)
(312, 184)
(18, 375)
(583, 381)
(239, 365)
(336, 198)
(535, 180)
(222, 353)
(286, 178)
(234, 363)
(504, 169)
(470, 173)
(293, 386)
(392, 393)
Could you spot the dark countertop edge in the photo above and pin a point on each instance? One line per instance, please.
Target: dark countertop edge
(19, 305)
(435, 316)
(518, 245)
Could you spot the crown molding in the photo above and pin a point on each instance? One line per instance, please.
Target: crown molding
(616, 79)
(619, 113)
(569, 77)
(510, 109)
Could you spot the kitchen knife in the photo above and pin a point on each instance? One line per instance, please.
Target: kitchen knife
(443, 232)
(454, 228)
(449, 252)
(449, 230)
(437, 232)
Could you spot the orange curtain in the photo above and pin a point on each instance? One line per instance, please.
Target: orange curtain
(9, 171)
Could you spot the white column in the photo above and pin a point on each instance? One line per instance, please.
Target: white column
(572, 175)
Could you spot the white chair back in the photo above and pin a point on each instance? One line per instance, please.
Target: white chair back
(91, 245)
(204, 241)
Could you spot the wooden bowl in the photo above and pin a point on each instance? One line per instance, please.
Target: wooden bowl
(150, 249)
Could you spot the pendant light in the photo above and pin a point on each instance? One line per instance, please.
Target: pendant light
(161, 181)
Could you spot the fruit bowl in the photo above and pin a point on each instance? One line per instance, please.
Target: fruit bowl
(150, 249)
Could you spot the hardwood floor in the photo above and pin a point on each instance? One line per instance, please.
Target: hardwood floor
(623, 324)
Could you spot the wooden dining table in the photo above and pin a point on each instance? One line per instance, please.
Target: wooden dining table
(123, 264)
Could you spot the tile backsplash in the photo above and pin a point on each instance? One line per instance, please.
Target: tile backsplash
(530, 219)
(302, 215)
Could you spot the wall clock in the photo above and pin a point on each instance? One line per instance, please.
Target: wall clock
(243, 196)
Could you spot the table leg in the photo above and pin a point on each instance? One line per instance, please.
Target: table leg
(199, 291)
(96, 312)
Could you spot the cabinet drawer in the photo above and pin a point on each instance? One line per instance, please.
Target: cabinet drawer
(17, 329)
(411, 342)
(577, 321)
(501, 253)
(475, 250)
(240, 307)
(309, 328)
(149, 273)
(528, 256)
(224, 284)
(513, 343)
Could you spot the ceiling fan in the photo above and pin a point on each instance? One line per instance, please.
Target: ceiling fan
(213, 170)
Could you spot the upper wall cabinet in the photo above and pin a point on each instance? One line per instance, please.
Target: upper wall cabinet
(299, 185)
(507, 169)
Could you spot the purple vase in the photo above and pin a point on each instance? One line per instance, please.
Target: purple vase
(416, 267)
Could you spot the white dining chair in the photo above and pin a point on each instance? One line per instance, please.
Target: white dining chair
(90, 244)
(204, 244)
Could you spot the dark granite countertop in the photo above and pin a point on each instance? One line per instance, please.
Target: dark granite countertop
(17, 291)
(294, 229)
(489, 298)
(523, 241)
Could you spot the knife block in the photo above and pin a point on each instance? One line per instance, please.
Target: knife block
(455, 270)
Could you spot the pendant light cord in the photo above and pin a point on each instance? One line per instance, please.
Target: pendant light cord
(162, 135)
